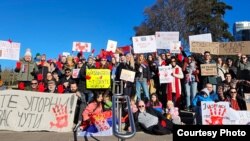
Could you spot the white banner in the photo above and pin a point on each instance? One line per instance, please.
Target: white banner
(165, 74)
(221, 114)
(111, 46)
(144, 44)
(36, 111)
(9, 50)
(163, 39)
(81, 46)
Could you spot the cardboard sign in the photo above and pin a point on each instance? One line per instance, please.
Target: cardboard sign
(144, 44)
(201, 47)
(127, 75)
(233, 48)
(9, 50)
(208, 69)
(111, 46)
(165, 74)
(81, 46)
(36, 111)
(216, 48)
(98, 78)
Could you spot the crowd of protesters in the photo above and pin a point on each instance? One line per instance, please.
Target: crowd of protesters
(186, 91)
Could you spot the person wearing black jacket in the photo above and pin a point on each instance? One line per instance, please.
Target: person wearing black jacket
(151, 121)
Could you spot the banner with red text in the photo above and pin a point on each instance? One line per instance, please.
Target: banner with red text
(36, 111)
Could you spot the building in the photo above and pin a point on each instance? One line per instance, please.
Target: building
(242, 31)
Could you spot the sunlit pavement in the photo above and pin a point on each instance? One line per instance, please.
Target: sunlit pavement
(54, 136)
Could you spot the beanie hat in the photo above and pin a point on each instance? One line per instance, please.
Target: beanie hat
(28, 52)
(205, 90)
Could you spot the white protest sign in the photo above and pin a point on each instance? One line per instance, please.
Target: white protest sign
(165, 74)
(75, 73)
(36, 111)
(111, 46)
(163, 39)
(221, 114)
(201, 38)
(215, 113)
(66, 54)
(144, 44)
(175, 47)
(81, 46)
(127, 75)
(9, 50)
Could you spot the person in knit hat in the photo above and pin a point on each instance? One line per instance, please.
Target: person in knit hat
(26, 70)
(204, 95)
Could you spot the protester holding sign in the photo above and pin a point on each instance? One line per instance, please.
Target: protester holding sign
(207, 59)
(204, 95)
(26, 70)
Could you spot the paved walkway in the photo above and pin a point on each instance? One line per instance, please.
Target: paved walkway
(54, 136)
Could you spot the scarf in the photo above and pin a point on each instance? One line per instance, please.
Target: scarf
(177, 89)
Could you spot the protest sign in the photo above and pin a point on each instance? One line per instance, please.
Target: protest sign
(175, 47)
(9, 50)
(36, 111)
(163, 39)
(233, 48)
(111, 46)
(127, 75)
(75, 73)
(144, 44)
(165, 74)
(98, 78)
(221, 114)
(201, 47)
(208, 69)
(81, 46)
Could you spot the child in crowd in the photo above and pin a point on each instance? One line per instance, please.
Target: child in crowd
(172, 113)
(107, 102)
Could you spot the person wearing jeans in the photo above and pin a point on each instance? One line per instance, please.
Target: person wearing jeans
(142, 77)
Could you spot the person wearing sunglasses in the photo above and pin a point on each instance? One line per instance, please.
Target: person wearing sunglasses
(150, 120)
(235, 101)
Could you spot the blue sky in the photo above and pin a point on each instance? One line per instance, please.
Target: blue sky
(50, 26)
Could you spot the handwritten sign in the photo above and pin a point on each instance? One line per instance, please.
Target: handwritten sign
(99, 78)
(9, 50)
(201, 47)
(201, 38)
(127, 75)
(144, 44)
(233, 48)
(165, 74)
(217, 48)
(36, 111)
(81, 46)
(163, 39)
(111, 46)
(75, 73)
(208, 69)
(175, 47)
(221, 114)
